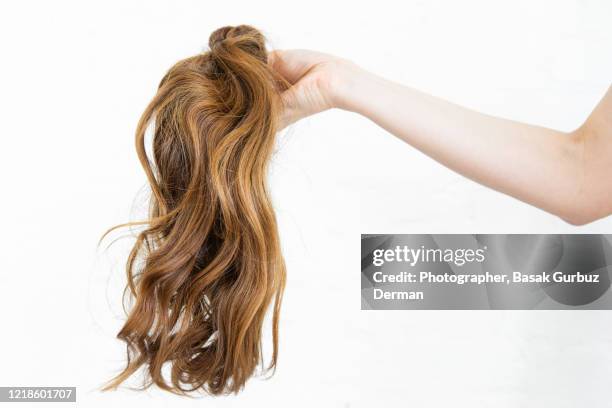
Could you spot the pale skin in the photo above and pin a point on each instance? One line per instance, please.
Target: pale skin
(568, 174)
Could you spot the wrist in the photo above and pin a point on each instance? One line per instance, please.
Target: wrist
(346, 85)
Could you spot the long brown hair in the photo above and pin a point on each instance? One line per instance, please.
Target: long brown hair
(208, 263)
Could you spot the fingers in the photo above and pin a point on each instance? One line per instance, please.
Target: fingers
(294, 64)
(287, 64)
(300, 100)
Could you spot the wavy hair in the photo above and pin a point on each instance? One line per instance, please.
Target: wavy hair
(207, 264)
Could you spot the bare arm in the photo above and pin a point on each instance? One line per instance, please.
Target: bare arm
(567, 174)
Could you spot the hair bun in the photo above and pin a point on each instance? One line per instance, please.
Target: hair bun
(245, 37)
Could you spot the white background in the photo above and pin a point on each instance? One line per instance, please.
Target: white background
(74, 80)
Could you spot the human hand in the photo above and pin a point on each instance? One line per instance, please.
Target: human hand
(318, 82)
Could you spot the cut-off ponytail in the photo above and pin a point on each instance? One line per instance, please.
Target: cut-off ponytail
(208, 264)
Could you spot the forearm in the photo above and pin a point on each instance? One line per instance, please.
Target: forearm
(540, 166)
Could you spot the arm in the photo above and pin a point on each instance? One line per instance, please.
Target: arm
(567, 174)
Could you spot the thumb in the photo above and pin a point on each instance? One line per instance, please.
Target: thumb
(291, 112)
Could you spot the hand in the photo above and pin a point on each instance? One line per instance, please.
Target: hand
(317, 82)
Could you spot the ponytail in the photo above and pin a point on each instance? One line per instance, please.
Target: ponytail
(208, 265)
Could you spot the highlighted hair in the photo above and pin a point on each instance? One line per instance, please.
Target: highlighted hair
(207, 266)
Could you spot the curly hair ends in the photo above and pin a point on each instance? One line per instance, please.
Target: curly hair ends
(208, 264)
